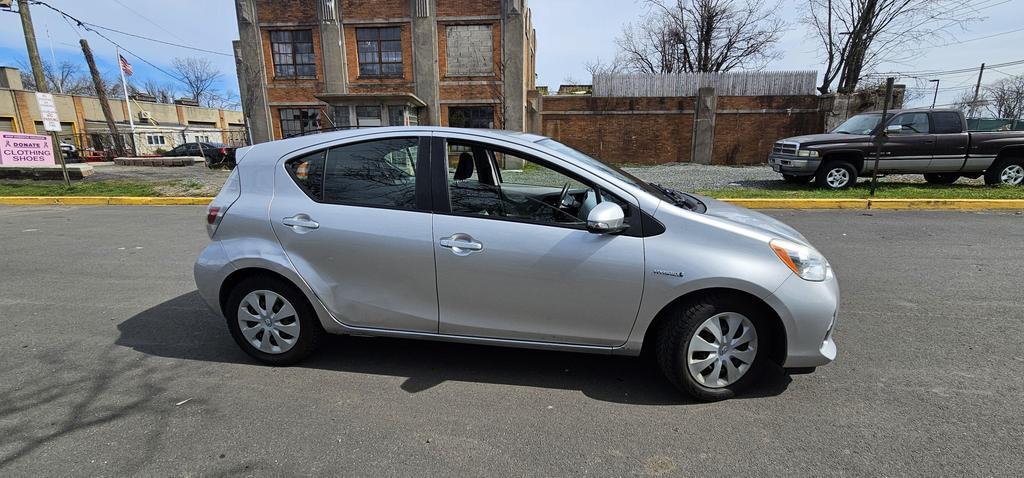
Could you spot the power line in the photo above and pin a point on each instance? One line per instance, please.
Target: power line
(130, 9)
(157, 41)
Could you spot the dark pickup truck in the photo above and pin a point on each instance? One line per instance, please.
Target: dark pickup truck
(932, 142)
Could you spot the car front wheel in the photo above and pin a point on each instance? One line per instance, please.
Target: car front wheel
(712, 348)
(836, 175)
(272, 321)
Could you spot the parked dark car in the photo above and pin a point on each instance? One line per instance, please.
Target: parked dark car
(216, 154)
(934, 143)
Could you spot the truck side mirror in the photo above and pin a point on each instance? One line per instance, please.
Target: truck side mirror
(894, 128)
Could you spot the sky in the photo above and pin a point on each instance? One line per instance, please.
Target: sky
(569, 33)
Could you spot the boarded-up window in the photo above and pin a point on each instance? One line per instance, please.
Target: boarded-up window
(469, 50)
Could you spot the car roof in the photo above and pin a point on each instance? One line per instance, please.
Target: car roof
(918, 110)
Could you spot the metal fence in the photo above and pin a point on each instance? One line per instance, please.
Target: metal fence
(104, 146)
(995, 124)
(745, 83)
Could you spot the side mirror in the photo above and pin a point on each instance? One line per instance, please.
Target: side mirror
(894, 128)
(606, 218)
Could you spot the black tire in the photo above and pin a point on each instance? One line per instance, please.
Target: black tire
(674, 337)
(941, 178)
(791, 179)
(822, 176)
(310, 331)
(993, 176)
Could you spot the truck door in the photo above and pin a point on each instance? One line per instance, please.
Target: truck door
(908, 150)
(951, 141)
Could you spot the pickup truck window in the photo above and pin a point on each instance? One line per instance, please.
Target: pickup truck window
(947, 122)
(859, 124)
(912, 123)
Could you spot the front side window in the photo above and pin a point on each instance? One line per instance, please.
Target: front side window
(298, 120)
(492, 183)
(374, 173)
(380, 51)
(911, 123)
(293, 53)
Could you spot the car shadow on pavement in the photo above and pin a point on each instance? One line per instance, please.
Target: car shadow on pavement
(184, 328)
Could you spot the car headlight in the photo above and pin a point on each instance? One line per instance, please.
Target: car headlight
(807, 153)
(804, 261)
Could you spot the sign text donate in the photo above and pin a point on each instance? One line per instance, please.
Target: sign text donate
(25, 150)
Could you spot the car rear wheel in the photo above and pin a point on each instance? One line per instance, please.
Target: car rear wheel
(941, 178)
(272, 321)
(1008, 171)
(712, 348)
(836, 175)
(789, 178)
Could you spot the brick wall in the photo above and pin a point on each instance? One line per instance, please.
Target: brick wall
(466, 8)
(281, 11)
(660, 130)
(370, 9)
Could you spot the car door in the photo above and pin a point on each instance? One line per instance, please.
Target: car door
(951, 141)
(355, 221)
(908, 150)
(514, 259)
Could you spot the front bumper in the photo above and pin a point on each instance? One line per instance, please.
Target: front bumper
(797, 166)
(809, 311)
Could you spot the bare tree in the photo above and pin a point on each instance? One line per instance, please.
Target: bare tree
(571, 80)
(598, 67)
(163, 92)
(199, 76)
(701, 36)
(857, 35)
(1006, 98)
(66, 77)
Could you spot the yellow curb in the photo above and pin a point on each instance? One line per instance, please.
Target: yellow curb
(159, 201)
(785, 203)
(960, 204)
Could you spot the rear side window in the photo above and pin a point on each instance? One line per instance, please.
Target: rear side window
(308, 173)
(947, 122)
(378, 173)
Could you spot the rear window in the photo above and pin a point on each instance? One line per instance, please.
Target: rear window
(308, 173)
(375, 173)
(947, 122)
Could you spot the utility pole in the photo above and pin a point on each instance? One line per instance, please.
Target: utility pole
(882, 134)
(977, 88)
(102, 93)
(936, 97)
(33, 49)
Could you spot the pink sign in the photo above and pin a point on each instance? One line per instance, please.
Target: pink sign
(26, 150)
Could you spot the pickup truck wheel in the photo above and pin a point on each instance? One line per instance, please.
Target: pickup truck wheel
(1007, 171)
(941, 178)
(789, 178)
(836, 175)
(712, 348)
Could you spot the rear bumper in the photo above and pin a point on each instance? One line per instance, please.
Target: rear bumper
(787, 164)
(211, 268)
(809, 311)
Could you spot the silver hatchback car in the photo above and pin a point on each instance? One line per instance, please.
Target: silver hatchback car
(500, 238)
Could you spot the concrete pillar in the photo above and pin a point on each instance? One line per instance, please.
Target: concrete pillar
(513, 56)
(252, 72)
(704, 126)
(332, 47)
(425, 67)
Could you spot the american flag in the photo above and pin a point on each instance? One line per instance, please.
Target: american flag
(125, 66)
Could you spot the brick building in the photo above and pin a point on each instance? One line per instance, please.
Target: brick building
(311, 64)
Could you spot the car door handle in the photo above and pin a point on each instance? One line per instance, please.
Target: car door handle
(461, 244)
(300, 221)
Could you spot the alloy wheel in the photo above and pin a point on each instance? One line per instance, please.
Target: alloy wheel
(722, 350)
(1012, 175)
(837, 178)
(268, 322)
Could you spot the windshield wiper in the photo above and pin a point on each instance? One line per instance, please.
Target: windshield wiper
(678, 198)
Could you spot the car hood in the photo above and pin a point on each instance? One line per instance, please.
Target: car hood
(753, 219)
(827, 138)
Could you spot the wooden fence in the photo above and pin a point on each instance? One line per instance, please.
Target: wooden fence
(753, 83)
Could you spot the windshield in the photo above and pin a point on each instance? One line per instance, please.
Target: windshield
(860, 124)
(609, 169)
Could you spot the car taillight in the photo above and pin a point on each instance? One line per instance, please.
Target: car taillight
(230, 193)
(223, 150)
(212, 215)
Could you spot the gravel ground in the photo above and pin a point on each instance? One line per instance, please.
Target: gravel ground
(200, 181)
(692, 177)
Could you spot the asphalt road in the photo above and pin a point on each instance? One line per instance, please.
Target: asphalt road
(111, 366)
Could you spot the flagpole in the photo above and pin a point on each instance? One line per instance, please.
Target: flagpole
(127, 100)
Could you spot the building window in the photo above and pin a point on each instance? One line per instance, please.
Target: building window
(298, 120)
(380, 51)
(156, 140)
(471, 117)
(293, 53)
(367, 116)
(469, 50)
